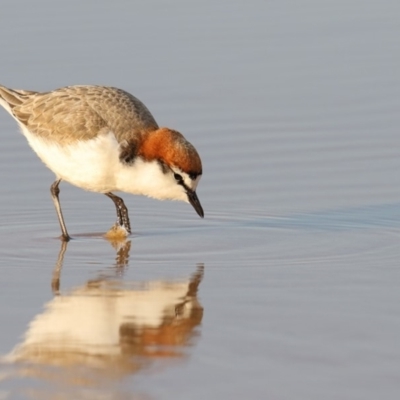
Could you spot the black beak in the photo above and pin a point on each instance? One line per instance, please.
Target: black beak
(195, 202)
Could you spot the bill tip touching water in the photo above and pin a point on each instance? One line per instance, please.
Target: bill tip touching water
(103, 139)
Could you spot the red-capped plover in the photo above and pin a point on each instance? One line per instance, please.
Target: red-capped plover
(103, 139)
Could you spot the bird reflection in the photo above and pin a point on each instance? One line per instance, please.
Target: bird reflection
(107, 329)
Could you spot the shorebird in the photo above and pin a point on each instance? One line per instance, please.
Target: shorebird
(103, 139)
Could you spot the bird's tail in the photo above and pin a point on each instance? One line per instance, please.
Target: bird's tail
(10, 98)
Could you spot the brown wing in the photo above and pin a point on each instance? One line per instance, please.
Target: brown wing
(81, 112)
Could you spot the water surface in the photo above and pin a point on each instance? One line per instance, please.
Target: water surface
(288, 289)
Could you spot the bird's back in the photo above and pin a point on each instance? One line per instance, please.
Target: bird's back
(78, 112)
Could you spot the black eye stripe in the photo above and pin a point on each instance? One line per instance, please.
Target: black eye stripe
(178, 177)
(180, 181)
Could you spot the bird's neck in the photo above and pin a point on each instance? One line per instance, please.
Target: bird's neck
(146, 178)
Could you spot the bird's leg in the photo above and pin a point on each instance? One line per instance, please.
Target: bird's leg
(55, 191)
(122, 211)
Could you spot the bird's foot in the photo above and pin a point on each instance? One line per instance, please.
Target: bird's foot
(65, 238)
(117, 232)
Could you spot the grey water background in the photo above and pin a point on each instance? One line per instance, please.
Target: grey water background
(294, 108)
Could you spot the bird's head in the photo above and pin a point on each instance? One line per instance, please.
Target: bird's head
(171, 167)
(187, 183)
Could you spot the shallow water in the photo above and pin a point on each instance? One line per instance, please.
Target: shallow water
(289, 288)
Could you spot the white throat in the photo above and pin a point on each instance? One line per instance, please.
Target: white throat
(146, 178)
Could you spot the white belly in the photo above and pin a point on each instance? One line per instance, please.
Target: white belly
(90, 165)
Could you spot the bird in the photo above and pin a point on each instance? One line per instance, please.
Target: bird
(103, 139)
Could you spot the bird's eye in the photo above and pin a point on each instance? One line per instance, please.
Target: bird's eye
(178, 177)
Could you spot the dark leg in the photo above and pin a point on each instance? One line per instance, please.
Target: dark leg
(122, 211)
(55, 191)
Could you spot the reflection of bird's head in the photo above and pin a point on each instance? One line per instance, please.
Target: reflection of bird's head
(176, 328)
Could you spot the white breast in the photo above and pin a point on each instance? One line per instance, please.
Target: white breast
(90, 164)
